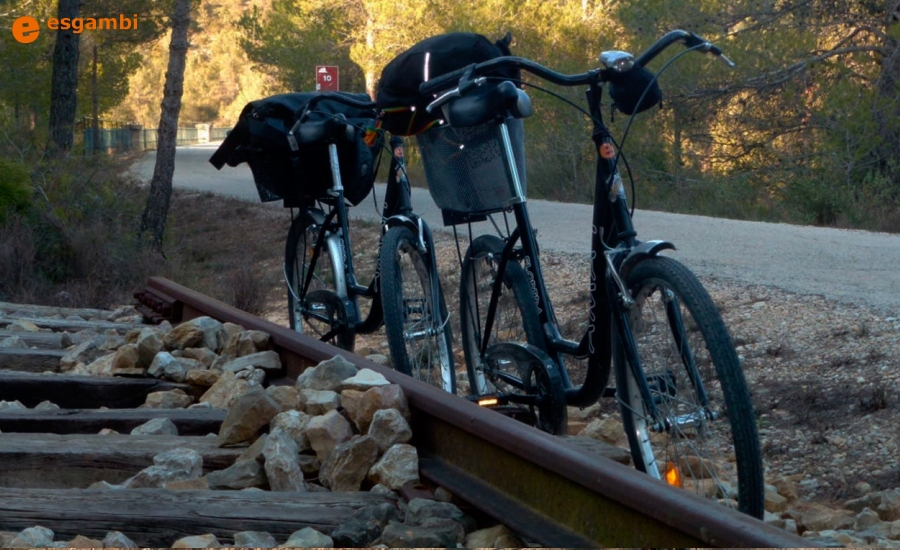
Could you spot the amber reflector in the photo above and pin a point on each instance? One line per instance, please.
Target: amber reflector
(490, 402)
(673, 475)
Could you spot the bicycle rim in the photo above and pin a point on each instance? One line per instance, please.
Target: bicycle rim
(419, 338)
(515, 316)
(311, 310)
(704, 437)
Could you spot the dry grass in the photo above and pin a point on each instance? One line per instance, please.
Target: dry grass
(233, 250)
(226, 248)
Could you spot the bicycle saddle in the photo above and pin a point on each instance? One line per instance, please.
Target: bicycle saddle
(487, 102)
(328, 130)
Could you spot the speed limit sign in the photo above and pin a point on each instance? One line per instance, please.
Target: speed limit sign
(327, 79)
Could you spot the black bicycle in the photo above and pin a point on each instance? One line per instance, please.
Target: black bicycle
(681, 392)
(323, 290)
(319, 152)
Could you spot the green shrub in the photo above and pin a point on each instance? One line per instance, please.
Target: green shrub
(815, 201)
(17, 254)
(15, 187)
(77, 244)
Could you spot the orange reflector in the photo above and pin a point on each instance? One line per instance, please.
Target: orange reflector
(489, 402)
(673, 475)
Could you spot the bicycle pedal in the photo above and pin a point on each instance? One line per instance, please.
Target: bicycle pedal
(489, 401)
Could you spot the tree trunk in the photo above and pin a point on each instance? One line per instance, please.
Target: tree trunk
(678, 141)
(370, 73)
(153, 221)
(64, 83)
(889, 109)
(95, 105)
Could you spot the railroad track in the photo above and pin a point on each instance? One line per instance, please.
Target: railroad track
(547, 490)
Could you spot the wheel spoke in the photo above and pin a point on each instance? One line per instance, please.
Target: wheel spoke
(494, 312)
(696, 386)
(419, 341)
(313, 284)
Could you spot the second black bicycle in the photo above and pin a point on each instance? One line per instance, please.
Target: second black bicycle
(318, 152)
(682, 397)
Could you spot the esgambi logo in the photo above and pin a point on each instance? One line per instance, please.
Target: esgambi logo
(26, 29)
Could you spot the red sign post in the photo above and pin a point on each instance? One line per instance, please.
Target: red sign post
(327, 78)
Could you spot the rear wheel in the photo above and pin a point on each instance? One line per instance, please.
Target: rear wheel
(704, 437)
(419, 337)
(527, 375)
(315, 283)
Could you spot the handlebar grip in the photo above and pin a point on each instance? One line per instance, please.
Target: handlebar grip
(689, 39)
(695, 40)
(443, 81)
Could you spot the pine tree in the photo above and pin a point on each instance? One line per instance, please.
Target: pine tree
(153, 221)
(64, 87)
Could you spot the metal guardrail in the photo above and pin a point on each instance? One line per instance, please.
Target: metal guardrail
(118, 137)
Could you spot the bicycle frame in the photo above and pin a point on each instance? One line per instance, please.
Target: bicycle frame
(512, 348)
(334, 233)
(613, 245)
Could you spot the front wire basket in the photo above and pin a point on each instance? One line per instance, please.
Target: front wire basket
(466, 167)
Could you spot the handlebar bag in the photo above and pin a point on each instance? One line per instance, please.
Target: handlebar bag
(401, 106)
(260, 138)
(635, 85)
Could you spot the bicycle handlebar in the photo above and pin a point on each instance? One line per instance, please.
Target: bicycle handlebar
(445, 80)
(336, 127)
(689, 39)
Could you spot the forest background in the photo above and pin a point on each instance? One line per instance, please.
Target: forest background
(804, 130)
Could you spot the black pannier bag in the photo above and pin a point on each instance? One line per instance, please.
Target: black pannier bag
(260, 138)
(401, 106)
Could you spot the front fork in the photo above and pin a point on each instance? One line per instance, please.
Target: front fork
(624, 304)
(398, 212)
(621, 309)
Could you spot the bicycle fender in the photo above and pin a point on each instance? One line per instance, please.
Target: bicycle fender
(400, 220)
(644, 250)
(316, 215)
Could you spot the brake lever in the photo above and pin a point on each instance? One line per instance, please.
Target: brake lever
(706, 46)
(441, 99)
(466, 82)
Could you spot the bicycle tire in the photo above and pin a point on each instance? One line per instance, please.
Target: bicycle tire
(318, 316)
(420, 342)
(516, 320)
(717, 458)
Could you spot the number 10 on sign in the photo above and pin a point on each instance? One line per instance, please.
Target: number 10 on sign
(327, 79)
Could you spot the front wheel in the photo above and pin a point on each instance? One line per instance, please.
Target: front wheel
(703, 437)
(316, 283)
(419, 337)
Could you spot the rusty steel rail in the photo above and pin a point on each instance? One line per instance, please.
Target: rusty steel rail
(532, 482)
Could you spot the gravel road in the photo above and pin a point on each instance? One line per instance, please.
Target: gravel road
(855, 267)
